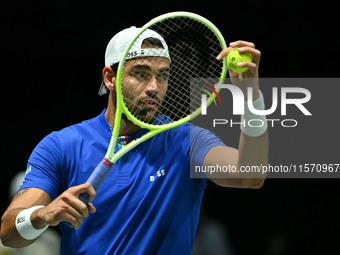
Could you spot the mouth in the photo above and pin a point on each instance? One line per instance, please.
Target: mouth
(147, 106)
(150, 104)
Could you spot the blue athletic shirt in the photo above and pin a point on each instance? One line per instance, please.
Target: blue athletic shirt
(148, 204)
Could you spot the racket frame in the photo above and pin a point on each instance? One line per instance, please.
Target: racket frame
(121, 107)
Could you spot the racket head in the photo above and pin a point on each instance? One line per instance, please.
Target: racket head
(193, 43)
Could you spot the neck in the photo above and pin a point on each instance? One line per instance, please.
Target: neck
(126, 126)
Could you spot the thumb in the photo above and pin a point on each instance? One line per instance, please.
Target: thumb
(91, 208)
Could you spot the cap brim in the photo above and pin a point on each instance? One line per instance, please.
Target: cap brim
(102, 89)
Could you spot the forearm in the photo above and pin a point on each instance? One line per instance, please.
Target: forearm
(9, 234)
(38, 211)
(253, 153)
(28, 203)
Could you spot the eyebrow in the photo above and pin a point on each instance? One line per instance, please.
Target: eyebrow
(148, 68)
(145, 67)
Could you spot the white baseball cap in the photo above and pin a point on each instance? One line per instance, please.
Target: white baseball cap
(120, 41)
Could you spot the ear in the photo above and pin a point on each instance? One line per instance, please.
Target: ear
(109, 78)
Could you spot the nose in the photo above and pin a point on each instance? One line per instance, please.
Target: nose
(152, 85)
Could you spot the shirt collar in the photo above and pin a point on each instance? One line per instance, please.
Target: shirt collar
(107, 130)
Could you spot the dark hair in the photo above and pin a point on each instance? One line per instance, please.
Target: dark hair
(152, 42)
(114, 67)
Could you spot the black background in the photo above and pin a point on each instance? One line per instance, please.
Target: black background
(52, 53)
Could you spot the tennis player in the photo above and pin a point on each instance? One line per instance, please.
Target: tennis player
(148, 204)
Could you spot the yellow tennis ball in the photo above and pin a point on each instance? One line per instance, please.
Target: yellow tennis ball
(235, 57)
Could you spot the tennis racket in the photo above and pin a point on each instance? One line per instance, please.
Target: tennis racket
(193, 43)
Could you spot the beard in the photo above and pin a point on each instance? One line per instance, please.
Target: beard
(145, 109)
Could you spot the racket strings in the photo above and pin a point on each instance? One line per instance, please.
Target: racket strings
(190, 65)
(193, 48)
(196, 71)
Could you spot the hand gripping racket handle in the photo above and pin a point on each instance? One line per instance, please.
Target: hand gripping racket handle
(96, 178)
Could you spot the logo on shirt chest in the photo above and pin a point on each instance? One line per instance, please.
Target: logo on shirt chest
(159, 174)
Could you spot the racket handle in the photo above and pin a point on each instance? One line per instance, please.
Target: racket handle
(100, 172)
(68, 224)
(84, 197)
(96, 179)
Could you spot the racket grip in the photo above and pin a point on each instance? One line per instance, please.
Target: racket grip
(100, 172)
(68, 224)
(96, 179)
(84, 197)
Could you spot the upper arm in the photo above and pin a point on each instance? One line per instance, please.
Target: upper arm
(227, 158)
(201, 142)
(207, 150)
(44, 167)
(221, 155)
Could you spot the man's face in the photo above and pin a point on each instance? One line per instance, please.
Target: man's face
(144, 85)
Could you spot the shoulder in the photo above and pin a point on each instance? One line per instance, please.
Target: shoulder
(77, 130)
(201, 141)
(192, 134)
(199, 134)
(64, 138)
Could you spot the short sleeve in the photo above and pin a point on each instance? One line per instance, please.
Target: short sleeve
(43, 167)
(201, 141)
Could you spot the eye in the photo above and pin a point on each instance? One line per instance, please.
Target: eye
(164, 76)
(141, 75)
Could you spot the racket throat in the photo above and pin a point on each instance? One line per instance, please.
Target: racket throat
(107, 162)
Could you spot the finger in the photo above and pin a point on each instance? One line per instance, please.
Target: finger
(247, 64)
(76, 190)
(91, 208)
(91, 191)
(256, 54)
(244, 46)
(241, 43)
(71, 198)
(223, 53)
(78, 206)
(64, 212)
(86, 187)
(71, 218)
